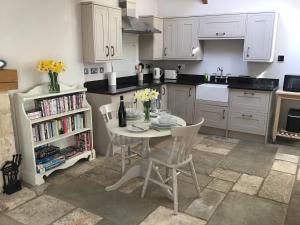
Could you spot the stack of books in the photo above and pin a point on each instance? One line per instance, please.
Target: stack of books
(48, 157)
(53, 128)
(84, 141)
(53, 106)
(34, 114)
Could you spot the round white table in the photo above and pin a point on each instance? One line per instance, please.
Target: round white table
(138, 170)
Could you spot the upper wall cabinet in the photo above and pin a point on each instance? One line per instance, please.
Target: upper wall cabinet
(101, 33)
(151, 45)
(222, 26)
(181, 39)
(260, 37)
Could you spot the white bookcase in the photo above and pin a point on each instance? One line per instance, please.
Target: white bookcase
(25, 102)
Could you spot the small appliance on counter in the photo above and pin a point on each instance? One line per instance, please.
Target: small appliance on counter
(171, 74)
(291, 83)
(112, 78)
(293, 121)
(157, 73)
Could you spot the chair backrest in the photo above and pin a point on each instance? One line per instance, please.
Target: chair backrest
(110, 111)
(184, 139)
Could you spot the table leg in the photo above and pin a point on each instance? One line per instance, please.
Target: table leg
(276, 119)
(135, 171)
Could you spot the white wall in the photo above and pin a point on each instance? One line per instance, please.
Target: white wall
(32, 30)
(229, 54)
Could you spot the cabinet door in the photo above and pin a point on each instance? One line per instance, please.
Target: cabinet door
(101, 37)
(222, 26)
(182, 101)
(187, 39)
(170, 36)
(260, 37)
(158, 40)
(215, 116)
(164, 97)
(247, 122)
(115, 33)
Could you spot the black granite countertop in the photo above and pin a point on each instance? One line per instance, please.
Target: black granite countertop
(128, 84)
(250, 83)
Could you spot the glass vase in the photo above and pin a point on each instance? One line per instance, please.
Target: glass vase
(53, 84)
(147, 106)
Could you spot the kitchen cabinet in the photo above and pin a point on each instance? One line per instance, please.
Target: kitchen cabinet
(181, 39)
(231, 26)
(151, 45)
(181, 101)
(260, 37)
(170, 38)
(164, 97)
(215, 116)
(250, 111)
(101, 33)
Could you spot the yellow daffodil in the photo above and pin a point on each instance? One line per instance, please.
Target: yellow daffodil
(51, 66)
(146, 95)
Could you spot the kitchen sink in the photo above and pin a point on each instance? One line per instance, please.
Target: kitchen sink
(212, 92)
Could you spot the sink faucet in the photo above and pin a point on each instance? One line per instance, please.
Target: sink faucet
(220, 69)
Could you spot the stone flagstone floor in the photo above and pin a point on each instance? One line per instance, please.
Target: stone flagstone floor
(241, 183)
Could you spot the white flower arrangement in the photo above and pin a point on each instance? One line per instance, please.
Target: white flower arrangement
(146, 95)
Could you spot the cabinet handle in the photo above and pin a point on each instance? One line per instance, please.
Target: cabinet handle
(248, 52)
(248, 116)
(165, 51)
(247, 93)
(193, 51)
(190, 94)
(164, 90)
(112, 51)
(223, 114)
(107, 53)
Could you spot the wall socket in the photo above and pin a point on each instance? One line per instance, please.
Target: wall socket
(101, 69)
(181, 67)
(86, 71)
(94, 70)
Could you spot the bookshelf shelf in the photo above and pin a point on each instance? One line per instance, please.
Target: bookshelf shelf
(47, 118)
(60, 137)
(27, 128)
(68, 163)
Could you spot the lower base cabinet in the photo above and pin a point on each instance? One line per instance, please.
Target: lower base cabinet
(248, 122)
(215, 116)
(181, 101)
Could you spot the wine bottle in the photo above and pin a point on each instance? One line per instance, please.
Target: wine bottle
(122, 113)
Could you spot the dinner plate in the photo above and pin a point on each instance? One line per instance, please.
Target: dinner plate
(137, 128)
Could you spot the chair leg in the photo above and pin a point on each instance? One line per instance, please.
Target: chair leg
(167, 174)
(175, 191)
(148, 174)
(129, 154)
(108, 150)
(123, 159)
(194, 175)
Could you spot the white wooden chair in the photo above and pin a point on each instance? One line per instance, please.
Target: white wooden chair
(110, 111)
(178, 157)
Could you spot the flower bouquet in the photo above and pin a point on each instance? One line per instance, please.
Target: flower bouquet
(53, 68)
(146, 96)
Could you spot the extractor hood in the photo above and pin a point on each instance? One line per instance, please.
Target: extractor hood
(130, 24)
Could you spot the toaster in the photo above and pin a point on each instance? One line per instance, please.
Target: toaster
(171, 74)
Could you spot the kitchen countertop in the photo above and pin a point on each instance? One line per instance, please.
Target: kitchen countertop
(128, 84)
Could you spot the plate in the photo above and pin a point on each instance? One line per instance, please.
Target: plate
(158, 124)
(138, 128)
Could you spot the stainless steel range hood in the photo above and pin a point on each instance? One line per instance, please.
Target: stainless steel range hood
(130, 24)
